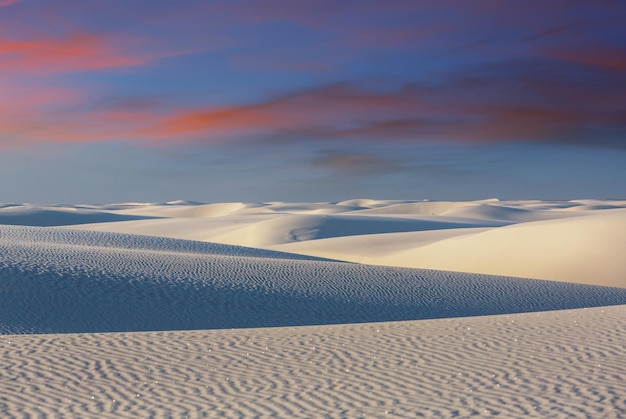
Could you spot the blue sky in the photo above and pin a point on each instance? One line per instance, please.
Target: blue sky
(311, 101)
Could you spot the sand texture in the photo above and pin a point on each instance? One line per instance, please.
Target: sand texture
(65, 281)
(559, 364)
(360, 308)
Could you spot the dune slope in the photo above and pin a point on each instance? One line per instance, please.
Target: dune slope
(572, 241)
(58, 281)
(588, 249)
(33, 215)
(455, 348)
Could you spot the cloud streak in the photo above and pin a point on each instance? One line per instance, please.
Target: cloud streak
(612, 59)
(520, 102)
(329, 106)
(78, 52)
(527, 101)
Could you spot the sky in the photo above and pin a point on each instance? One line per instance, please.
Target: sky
(317, 100)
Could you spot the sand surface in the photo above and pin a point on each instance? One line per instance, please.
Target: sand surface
(559, 364)
(573, 241)
(281, 309)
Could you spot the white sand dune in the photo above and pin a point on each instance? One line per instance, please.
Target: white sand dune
(559, 364)
(61, 281)
(265, 231)
(588, 250)
(507, 213)
(297, 228)
(298, 333)
(373, 249)
(57, 215)
(573, 241)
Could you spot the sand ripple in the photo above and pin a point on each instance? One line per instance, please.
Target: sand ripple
(62, 281)
(554, 364)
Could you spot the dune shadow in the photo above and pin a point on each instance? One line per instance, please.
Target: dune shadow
(37, 300)
(54, 218)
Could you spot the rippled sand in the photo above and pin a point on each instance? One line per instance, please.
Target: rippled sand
(99, 323)
(551, 364)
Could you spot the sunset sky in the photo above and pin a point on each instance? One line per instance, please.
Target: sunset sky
(320, 100)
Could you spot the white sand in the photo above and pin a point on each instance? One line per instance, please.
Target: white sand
(559, 364)
(572, 241)
(587, 250)
(373, 353)
(64, 281)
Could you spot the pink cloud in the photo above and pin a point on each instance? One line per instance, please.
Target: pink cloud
(321, 112)
(478, 110)
(34, 114)
(81, 51)
(309, 110)
(36, 128)
(5, 3)
(597, 56)
(331, 113)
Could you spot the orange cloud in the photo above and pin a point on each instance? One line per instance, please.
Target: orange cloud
(343, 111)
(82, 51)
(226, 119)
(329, 106)
(333, 111)
(524, 108)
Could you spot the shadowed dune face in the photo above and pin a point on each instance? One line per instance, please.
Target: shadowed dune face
(58, 281)
(58, 216)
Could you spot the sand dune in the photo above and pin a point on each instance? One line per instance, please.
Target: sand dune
(60, 281)
(266, 231)
(298, 228)
(373, 249)
(507, 213)
(58, 215)
(298, 333)
(572, 241)
(586, 250)
(558, 364)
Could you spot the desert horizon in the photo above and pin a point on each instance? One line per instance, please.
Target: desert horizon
(312, 209)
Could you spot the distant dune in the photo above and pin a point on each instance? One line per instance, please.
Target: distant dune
(571, 241)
